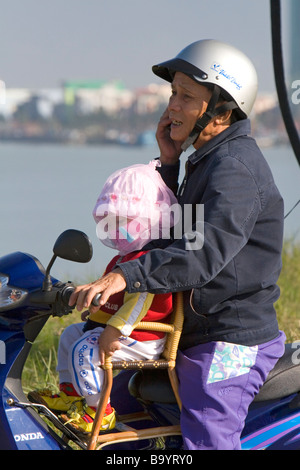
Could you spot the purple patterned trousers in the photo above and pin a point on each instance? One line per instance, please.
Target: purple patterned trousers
(218, 382)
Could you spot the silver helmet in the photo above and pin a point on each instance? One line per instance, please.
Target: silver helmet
(226, 70)
(213, 62)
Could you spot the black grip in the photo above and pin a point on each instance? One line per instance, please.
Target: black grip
(66, 293)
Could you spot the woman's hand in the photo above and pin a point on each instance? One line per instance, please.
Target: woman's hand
(109, 284)
(108, 342)
(170, 150)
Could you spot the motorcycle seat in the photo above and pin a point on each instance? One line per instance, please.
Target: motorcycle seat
(283, 380)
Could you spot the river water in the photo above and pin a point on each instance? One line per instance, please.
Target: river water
(46, 189)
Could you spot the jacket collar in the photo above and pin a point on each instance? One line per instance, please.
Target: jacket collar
(238, 129)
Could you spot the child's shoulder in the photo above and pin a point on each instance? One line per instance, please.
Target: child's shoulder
(117, 259)
(133, 255)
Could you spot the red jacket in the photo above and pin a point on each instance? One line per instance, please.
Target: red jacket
(129, 309)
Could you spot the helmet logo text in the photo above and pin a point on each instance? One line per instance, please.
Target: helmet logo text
(216, 67)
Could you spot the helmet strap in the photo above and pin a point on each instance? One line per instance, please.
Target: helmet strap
(206, 117)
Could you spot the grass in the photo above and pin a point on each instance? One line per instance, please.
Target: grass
(40, 367)
(288, 305)
(39, 371)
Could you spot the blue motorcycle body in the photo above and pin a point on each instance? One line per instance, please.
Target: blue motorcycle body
(21, 428)
(27, 302)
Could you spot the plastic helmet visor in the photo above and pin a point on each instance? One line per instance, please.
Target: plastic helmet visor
(166, 70)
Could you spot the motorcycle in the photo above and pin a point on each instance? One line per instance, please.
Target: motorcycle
(29, 296)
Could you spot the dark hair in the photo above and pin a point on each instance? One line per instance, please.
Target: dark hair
(235, 116)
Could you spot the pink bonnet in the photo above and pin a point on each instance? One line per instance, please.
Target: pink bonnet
(134, 207)
(136, 191)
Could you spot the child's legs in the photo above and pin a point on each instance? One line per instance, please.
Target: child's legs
(133, 350)
(71, 334)
(218, 382)
(87, 376)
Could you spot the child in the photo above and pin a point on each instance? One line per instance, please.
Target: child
(132, 209)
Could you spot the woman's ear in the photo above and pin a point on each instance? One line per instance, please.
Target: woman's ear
(223, 119)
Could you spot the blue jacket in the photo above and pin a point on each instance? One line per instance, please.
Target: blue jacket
(229, 283)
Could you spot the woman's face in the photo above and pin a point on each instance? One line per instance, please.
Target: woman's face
(187, 103)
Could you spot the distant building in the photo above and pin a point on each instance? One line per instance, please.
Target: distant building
(14, 97)
(97, 95)
(265, 102)
(44, 99)
(150, 98)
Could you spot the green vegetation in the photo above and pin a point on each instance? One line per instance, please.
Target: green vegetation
(39, 371)
(288, 305)
(40, 367)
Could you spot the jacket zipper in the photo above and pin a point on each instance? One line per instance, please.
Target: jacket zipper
(182, 188)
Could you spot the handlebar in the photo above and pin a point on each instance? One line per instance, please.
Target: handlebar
(58, 298)
(96, 300)
(67, 292)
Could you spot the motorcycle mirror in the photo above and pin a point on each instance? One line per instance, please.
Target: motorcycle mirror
(72, 245)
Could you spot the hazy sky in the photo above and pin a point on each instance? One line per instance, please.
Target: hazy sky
(45, 41)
